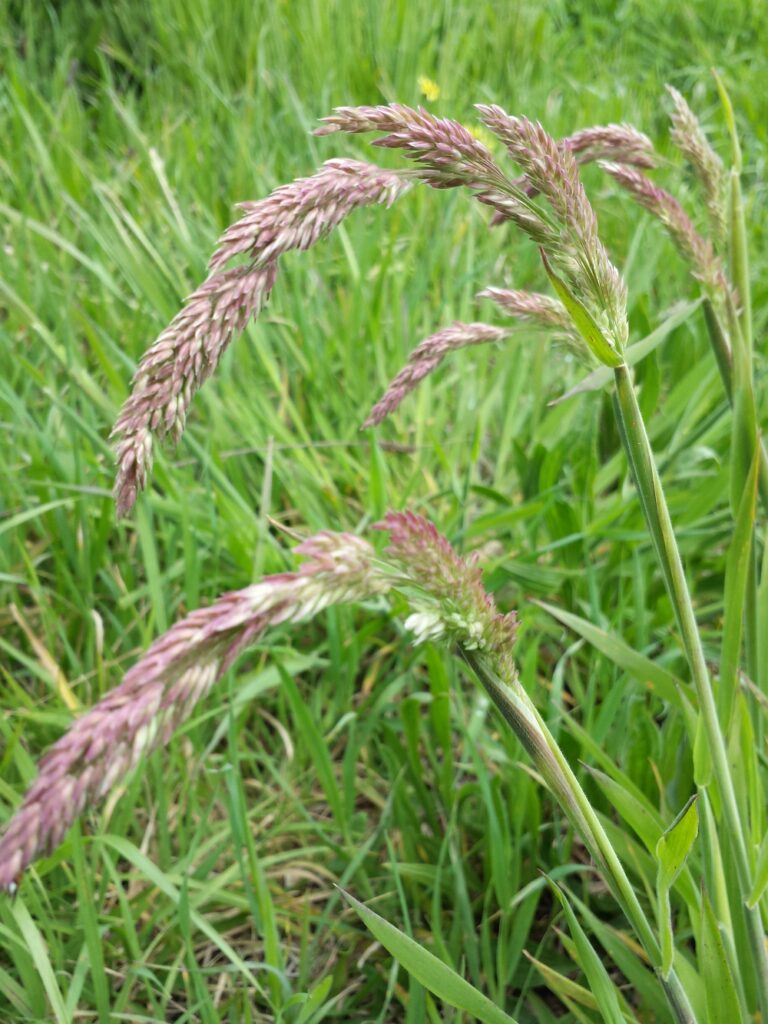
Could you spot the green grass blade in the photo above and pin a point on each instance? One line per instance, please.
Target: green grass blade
(39, 953)
(318, 748)
(432, 973)
(672, 852)
(90, 924)
(723, 1005)
(600, 984)
(143, 864)
(665, 683)
(737, 576)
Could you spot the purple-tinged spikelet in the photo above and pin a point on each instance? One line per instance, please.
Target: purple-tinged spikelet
(172, 370)
(540, 310)
(160, 691)
(618, 142)
(688, 136)
(448, 156)
(692, 246)
(425, 357)
(579, 253)
(297, 215)
(453, 602)
(448, 153)
(294, 216)
(530, 306)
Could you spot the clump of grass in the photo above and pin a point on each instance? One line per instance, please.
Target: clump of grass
(723, 975)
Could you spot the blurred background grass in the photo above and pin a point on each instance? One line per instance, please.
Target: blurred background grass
(333, 754)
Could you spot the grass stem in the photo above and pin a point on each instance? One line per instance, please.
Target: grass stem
(659, 522)
(520, 713)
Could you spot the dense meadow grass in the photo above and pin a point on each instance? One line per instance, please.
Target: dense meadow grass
(337, 754)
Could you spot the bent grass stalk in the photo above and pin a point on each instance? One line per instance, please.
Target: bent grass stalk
(596, 303)
(521, 714)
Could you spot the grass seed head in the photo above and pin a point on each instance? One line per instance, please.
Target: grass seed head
(188, 351)
(551, 171)
(688, 135)
(618, 142)
(426, 357)
(161, 690)
(692, 246)
(447, 593)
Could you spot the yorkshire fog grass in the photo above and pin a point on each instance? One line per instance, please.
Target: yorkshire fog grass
(342, 827)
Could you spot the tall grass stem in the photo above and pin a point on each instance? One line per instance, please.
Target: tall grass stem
(517, 709)
(654, 505)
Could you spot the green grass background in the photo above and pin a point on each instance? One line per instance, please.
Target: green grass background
(334, 754)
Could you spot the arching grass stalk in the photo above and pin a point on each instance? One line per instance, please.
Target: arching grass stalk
(520, 713)
(653, 501)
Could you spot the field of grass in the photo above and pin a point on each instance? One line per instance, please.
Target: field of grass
(337, 754)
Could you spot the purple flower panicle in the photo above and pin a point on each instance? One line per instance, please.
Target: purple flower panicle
(618, 142)
(448, 156)
(297, 215)
(693, 247)
(451, 600)
(689, 137)
(188, 351)
(425, 357)
(161, 690)
(540, 310)
(530, 306)
(552, 171)
(177, 364)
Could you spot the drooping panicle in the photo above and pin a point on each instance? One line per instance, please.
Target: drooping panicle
(160, 691)
(530, 306)
(693, 247)
(541, 311)
(188, 351)
(688, 135)
(447, 593)
(618, 142)
(578, 252)
(448, 156)
(426, 357)
(173, 369)
(297, 215)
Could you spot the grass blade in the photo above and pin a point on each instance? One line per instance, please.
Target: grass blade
(432, 973)
(672, 852)
(667, 685)
(600, 984)
(737, 575)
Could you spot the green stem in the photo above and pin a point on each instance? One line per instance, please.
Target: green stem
(519, 711)
(720, 346)
(723, 355)
(659, 522)
(739, 258)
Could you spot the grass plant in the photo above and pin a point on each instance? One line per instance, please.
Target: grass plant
(342, 795)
